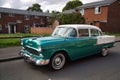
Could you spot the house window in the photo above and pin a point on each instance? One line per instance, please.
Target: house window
(0, 27)
(37, 17)
(0, 16)
(26, 28)
(82, 11)
(27, 17)
(97, 10)
(11, 15)
(42, 21)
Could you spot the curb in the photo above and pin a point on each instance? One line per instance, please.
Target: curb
(117, 41)
(10, 59)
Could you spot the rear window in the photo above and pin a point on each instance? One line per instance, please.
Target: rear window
(83, 32)
(94, 32)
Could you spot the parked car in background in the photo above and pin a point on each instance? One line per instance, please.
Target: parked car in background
(66, 42)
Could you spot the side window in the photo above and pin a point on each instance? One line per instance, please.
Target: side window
(94, 32)
(83, 33)
(73, 33)
(0, 27)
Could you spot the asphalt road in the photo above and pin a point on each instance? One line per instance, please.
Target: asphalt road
(90, 68)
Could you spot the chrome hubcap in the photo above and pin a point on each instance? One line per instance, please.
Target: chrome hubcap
(104, 52)
(58, 61)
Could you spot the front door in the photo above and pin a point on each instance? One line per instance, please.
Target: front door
(11, 28)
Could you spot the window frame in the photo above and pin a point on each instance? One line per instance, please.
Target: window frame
(26, 28)
(27, 17)
(42, 21)
(0, 27)
(36, 17)
(98, 10)
(0, 15)
(11, 15)
(82, 11)
(99, 33)
(88, 33)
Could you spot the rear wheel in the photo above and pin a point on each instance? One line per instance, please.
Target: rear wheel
(104, 52)
(58, 61)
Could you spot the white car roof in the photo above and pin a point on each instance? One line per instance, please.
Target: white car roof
(80, 26)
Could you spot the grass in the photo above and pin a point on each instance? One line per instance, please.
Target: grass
(24, 35)
(16, 41)
(9, 42)
(116, 34)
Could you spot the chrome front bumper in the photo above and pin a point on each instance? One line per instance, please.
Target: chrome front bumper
(29, 58)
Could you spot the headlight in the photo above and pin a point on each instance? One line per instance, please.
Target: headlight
(39, 49)
(21, 43)
(41, 55)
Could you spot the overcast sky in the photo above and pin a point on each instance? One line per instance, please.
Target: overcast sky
(45, 4)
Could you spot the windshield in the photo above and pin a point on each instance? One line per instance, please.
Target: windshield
(65, 32)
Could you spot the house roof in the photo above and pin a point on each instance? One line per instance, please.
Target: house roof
(68, 11)
(24, 12)
(98, 3)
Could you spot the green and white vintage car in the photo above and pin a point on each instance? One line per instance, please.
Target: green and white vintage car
(66, 42)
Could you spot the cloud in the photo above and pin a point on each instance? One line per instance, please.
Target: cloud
(88, 1)
(45, 4)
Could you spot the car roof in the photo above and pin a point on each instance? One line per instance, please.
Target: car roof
(80, 26)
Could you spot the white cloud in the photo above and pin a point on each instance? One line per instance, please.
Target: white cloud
(8, 5)
(88, 1)
(45, 4)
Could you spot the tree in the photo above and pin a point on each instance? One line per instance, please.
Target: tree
(72, 18)
(35, 7)
(72, 4)
(54, 16)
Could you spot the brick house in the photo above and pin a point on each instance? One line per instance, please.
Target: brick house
(104, 14)
(14, 20)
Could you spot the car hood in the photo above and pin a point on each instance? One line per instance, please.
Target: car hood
(49, 39)
(36, 41)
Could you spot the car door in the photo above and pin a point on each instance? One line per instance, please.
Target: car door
(94, 33)
(82, 45)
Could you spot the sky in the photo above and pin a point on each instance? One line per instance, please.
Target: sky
(50, 5)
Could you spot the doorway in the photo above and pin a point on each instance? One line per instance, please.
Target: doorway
(11, 28)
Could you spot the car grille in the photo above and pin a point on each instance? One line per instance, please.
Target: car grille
(32, 51)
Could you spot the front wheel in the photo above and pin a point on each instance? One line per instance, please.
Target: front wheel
(58, 61)
(104, 52)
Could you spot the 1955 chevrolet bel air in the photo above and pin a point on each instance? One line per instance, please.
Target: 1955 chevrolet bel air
(66, 42)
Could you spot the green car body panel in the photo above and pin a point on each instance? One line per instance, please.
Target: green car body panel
(74, 47)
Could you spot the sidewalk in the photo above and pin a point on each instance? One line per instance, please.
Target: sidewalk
(117, 38)
(11, 53)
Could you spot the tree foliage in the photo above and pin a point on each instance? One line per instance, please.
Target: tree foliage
(54, 16)
(72, 4)
(35, 7)
(72, 18)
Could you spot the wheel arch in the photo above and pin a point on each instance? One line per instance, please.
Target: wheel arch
(63, 52)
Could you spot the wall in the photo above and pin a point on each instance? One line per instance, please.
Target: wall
(113, 24)
(42, 30)
(90, 15)
(48, 30)
(5, 19)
